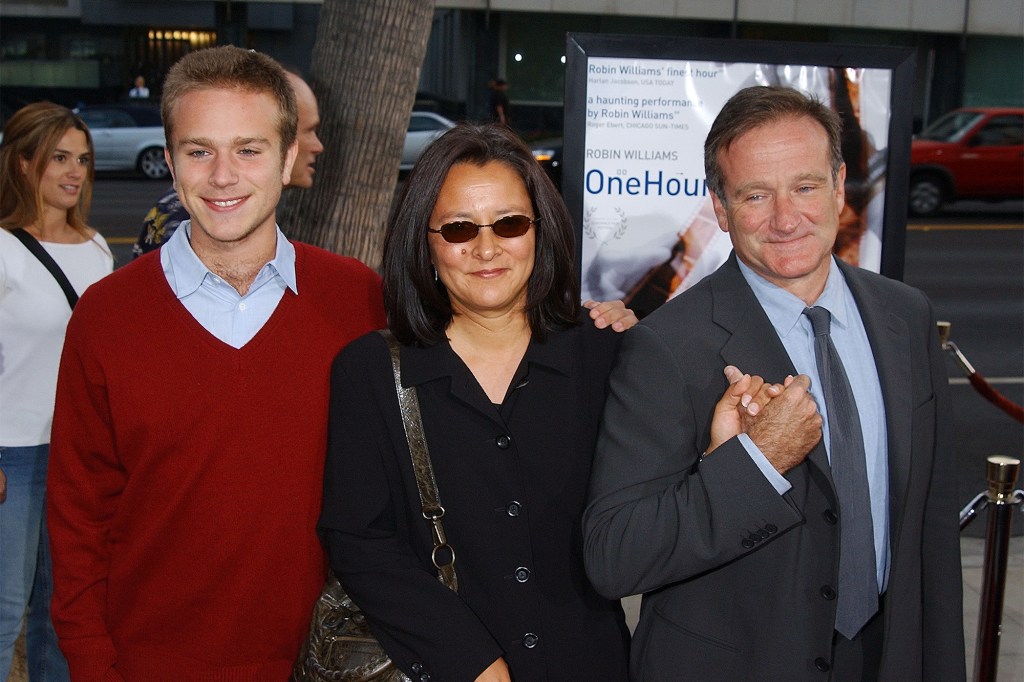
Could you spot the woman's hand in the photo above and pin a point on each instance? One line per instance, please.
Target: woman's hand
(496, 672)
(612, 314)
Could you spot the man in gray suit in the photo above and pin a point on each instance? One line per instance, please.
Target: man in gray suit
(732, 530)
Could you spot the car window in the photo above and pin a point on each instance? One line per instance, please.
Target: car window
(147, 116)
(95, 119)
(419, 124)
(951, 127)
(107, 118)
(1001, 131)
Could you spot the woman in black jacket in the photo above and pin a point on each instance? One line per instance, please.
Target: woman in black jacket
(482, 294)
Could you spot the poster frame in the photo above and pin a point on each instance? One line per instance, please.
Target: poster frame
(899, 61)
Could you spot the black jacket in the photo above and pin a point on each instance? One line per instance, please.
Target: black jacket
(513, 481)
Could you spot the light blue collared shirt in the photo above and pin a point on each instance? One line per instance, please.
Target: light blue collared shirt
(216, 305)
(785, 311)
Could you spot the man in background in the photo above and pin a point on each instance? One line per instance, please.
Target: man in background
(499, 104)
(139, 90)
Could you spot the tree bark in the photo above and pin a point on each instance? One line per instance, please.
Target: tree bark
(365, 70)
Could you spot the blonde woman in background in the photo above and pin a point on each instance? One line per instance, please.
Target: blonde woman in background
(46, 175)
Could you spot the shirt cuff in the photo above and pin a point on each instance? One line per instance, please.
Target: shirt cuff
(777, 480)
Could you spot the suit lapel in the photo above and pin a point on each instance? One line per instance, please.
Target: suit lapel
(753, 345)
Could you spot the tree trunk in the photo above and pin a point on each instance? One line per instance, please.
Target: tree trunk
(365, 71)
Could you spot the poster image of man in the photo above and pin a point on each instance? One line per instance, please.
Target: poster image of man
(649, 230)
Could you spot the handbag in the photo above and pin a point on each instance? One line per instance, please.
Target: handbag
(339, 646)
(33, 245)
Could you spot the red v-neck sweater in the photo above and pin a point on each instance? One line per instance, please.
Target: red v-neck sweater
(185, 476)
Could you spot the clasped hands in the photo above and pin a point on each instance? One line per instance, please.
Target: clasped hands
(781, 419)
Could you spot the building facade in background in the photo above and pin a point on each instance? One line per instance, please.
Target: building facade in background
(969, 52)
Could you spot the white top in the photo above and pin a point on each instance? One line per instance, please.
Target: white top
(34, 314)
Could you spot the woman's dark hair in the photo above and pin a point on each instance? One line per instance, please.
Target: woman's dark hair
(418, 308)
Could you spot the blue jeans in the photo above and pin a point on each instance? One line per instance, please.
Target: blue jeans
(24, 562)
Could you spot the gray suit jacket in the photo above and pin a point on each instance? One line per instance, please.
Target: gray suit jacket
(739, 581)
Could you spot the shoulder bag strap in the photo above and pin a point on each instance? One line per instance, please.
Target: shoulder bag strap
(443, 555)
(33, 245)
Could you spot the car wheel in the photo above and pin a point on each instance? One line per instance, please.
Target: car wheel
(927, 195)
(153, 164)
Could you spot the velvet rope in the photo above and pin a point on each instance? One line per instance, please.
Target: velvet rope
(995, 397)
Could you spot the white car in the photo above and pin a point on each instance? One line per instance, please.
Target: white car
(127, 137)
(424, 128)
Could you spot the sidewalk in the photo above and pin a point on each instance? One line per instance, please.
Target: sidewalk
(1011, 647)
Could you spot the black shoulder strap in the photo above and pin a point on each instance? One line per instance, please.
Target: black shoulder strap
(39, 252)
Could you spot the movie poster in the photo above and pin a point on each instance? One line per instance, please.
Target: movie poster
(648, 228)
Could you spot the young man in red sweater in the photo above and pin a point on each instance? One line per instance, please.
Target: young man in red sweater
(184, 494)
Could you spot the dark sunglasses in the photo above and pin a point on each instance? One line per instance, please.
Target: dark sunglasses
(463, 230)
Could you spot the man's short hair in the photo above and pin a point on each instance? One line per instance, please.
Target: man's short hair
(757, 106)
(229, 67)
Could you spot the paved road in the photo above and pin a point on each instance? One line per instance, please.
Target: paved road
(970, 262)
(975, 279)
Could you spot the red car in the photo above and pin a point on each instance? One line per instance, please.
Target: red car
(971, 153)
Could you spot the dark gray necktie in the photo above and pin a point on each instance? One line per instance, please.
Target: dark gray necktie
(858, 583)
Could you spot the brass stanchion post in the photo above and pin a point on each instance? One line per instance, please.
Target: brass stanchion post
(1001, 498)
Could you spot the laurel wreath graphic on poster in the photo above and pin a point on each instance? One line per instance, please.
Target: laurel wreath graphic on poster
(592, 226)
